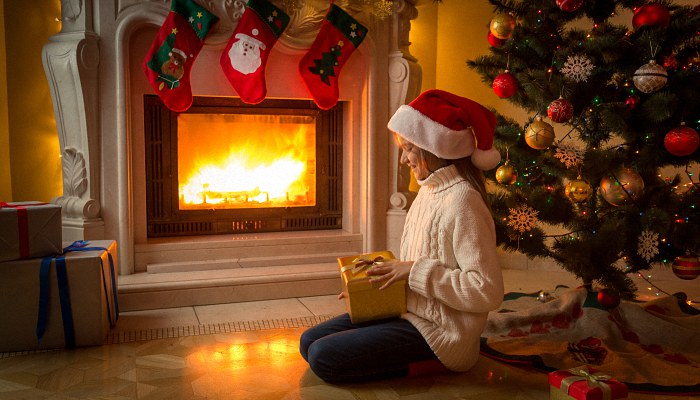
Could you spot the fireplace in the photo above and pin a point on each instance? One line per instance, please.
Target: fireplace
(94, 70)
(229, 167)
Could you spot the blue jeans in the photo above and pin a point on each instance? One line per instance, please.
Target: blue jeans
(339, 351)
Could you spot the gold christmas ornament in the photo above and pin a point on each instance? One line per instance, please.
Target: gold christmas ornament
(622, 186)
(506, 174)
(502, 25)
(578, 190)
(539, 134)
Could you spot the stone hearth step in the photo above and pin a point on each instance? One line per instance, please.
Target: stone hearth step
(144, 290)
(182, 272)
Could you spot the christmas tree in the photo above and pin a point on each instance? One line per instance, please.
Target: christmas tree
(599, 178)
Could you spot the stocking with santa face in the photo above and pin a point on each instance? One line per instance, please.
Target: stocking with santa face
(169, 61)
(320, 67)
(245, 57)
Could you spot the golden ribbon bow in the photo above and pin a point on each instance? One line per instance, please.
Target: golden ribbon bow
(593, 379)
(360, 264)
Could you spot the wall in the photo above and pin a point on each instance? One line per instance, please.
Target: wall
(444, 37)
(5, 181)
(30, 131)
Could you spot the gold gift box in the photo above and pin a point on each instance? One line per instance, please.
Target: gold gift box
(363, 300)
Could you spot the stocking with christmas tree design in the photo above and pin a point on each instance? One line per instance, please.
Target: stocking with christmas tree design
(320, 67)
(245, 57)
(169, 61)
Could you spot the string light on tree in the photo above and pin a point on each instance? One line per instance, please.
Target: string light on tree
(619, 120)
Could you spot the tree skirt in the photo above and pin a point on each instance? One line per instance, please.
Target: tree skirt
(651, 347)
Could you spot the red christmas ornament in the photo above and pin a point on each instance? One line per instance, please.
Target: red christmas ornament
(681, 141)
(569, 5)
(670, 62)
(494, 41)
(652, 14)
(609, 299)
(560, 110)
(632, 102)
(686, 267)
(505, 85)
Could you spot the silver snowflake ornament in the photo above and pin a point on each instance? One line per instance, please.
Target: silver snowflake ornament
(648, 244)
(569, 154)
(523, 218)
(578, 68)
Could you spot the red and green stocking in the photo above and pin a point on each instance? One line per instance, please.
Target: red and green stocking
(245, 57)
(320, 67)
(169, 61)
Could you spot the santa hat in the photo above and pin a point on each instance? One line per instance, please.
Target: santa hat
(449, 126)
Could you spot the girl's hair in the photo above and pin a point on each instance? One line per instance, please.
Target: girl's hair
(466, 169)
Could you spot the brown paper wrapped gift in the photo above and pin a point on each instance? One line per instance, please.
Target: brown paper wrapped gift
(29, 229)
(92, 299)
(363, 300)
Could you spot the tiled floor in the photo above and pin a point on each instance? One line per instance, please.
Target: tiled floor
(250, 351)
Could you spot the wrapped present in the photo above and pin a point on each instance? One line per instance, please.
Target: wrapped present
(363, 299)
(29, 230)
(584, 383)
(59, 301)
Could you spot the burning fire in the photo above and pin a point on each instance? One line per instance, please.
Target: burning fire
(272, 165)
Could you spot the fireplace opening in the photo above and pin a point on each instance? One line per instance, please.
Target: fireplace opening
(229, 167)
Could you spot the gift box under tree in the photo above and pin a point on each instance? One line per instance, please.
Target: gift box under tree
(583, 383)
(363, 299)
(29, 229)
(61, 301)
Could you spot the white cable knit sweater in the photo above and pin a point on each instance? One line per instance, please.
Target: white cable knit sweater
(455, 279)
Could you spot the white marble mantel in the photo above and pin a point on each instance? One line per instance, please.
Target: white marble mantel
(93, 69)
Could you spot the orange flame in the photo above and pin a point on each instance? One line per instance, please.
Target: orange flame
(246, 161)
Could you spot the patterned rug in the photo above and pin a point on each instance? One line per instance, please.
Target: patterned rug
(653, 347)
(141, 335)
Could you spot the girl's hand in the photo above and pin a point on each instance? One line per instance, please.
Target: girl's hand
(390, 272)
(341, 295)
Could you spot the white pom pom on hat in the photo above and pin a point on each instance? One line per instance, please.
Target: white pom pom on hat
(449, 126)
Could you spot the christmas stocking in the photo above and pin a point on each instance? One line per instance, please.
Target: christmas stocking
(339, 36)
(169, 61)
(245, 56)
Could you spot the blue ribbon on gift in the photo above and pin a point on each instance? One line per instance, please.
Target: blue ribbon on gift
(64, 292)
(82, 245)
(63, 295)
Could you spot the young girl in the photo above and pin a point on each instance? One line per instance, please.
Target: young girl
(447, 257)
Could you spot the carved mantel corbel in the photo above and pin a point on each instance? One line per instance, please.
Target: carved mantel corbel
(405, 77)
(71, 59)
